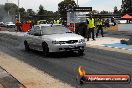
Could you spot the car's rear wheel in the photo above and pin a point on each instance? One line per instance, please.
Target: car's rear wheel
(81, 52)
(27, 48)
(45, 49)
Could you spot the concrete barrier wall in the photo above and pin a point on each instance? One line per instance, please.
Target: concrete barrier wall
(125, 27)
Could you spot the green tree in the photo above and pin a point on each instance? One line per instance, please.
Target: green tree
(48, 15)
(41, 10)
(126, 6)
(56, 14)
(3, 13)
(115, 10)
(104, 12)
(30, 12)
(65, 6)
(22, 12)
(11, 8)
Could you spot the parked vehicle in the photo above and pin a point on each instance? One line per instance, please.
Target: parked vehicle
(122, 21)
(42, 22)
(2, 24)
(10, 25)
(55, 38)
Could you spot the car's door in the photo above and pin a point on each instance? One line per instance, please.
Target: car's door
(37, 39)
(29, 37)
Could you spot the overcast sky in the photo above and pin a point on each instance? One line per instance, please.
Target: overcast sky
(52, 5)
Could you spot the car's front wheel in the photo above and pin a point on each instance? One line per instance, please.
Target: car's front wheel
(45, 49)
(81, 52)
(27, 48)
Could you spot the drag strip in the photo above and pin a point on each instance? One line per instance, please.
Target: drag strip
(63, 66)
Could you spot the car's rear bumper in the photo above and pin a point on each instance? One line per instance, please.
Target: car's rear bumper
(67, 47)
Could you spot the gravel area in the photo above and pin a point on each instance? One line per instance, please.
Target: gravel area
(8, 81)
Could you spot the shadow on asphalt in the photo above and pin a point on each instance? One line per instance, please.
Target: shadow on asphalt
(55, 54)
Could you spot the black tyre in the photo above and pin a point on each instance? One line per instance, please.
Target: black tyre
(45, 49)
(27, 48)
(81, 52)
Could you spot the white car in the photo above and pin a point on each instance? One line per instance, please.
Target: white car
(53, 38)
(2, 24)
(122, 21)
(10, 25)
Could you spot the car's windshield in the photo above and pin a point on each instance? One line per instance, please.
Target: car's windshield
(54, 30)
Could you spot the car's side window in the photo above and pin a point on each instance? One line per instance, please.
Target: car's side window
(37, 31)
(36, 28)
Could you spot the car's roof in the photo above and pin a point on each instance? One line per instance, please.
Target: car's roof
(9, 22)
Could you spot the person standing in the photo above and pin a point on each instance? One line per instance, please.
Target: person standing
(56, 21)
(100, 27)
(18, 25)
(90, 26)
(30, 23)
(107, 25)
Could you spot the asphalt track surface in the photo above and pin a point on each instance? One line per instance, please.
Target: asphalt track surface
(63, 66)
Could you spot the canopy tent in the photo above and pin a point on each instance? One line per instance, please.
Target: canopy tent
(126, 17)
